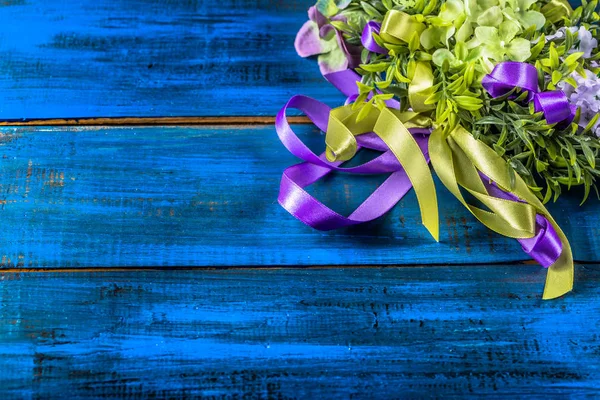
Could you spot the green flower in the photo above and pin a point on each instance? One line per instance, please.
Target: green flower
(500, 42)
(442, 27)
(518, 11)
(479, 13)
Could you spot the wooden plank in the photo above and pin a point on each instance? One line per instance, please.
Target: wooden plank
(291, 333)
(206, 196)
(152, 58)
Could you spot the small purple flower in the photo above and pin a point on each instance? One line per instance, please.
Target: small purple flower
(586, 43)
(318, 37)
(586, 96)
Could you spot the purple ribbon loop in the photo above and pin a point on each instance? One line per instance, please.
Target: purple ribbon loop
(555, 106)
(368, 41)
(509, 75)
(297, 201)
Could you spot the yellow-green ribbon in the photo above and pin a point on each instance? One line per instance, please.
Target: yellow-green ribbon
(389, 126)
(397, 28)
(420, 88)
(457, 158)
(556, 10)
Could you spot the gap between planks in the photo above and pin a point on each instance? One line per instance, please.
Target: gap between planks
(262, 268)
(152, 121)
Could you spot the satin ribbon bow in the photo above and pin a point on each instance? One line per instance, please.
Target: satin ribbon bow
(511, 75)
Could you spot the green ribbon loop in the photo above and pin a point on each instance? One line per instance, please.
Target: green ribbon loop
(399, 27)
(419, 89)
(457, 158)
(391, 127)
(556, 10)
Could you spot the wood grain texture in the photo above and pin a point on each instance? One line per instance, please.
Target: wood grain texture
(152, 58)
(344, 333)
(206, 196)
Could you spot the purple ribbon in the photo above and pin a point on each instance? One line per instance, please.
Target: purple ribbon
(367, 39)
(297, 201)
(545, 247)
(509, 75)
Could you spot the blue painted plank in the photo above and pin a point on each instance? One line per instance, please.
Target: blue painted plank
(347, 333)
(206, 196)
(152, 58)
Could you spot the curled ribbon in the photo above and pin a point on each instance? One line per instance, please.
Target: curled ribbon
(461, 161)
(368, 40)
(399, 27)
(404, 155)
(510, 75)
(556, 10)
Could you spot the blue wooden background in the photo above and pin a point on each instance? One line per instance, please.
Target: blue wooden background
(112, 235)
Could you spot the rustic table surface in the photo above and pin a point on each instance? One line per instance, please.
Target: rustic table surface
(143, 253)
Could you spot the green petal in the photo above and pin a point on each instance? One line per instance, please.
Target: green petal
(429, 38)
(436, 35)
(451, 10)
(508, 31)
(442, 55)
(531, 18)
(465, 32)
(509, 15)
(494, 52)
(519, 50)
(492, 17)
(487, 34)
(525, 5)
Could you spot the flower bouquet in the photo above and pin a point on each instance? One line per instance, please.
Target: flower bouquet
(502, 97)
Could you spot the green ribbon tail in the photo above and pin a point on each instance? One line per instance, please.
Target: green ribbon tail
(458, 158)
(392, 128)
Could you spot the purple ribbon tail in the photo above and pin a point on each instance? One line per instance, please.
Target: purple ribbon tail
(545, 247)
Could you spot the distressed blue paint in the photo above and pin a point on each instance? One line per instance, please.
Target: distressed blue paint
(152, 58)
(291, 333)
(206, 196)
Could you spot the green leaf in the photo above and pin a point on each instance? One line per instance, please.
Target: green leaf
(556, 77)
(377, 67)
(589, 154)
(573, 58)
(371, 11)
(491, 120)
(365, 111)
(554, 60)
(591, 124)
